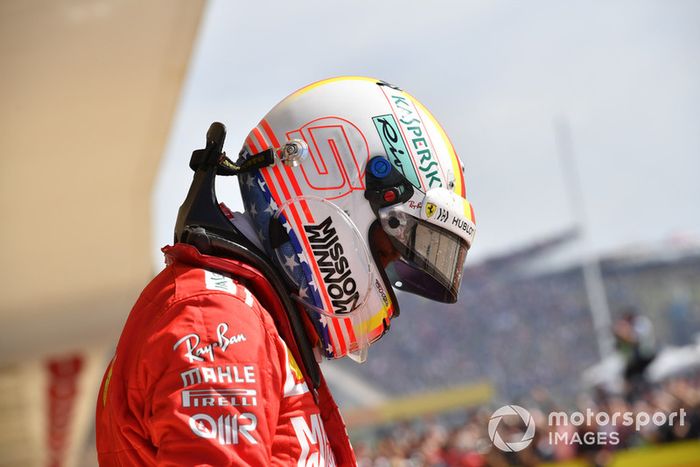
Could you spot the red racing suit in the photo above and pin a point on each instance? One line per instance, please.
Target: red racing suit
(205, 373)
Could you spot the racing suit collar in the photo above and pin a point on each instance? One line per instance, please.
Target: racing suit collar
(252, 278)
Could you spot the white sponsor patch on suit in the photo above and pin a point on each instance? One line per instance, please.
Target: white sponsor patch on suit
(216, 281)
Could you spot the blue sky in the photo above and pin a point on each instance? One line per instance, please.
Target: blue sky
(625, 75)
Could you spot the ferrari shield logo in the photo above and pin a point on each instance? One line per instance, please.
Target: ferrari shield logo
(430, 209)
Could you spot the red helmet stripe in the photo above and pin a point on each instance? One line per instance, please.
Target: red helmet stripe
(270, 134)
(251, 145)
(288, 170)
(350, 329)
(259, 138)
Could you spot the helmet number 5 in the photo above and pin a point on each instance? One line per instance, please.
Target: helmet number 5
(339, 152)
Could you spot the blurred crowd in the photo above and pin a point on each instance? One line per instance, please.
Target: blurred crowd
(463, 440)
(525, 332)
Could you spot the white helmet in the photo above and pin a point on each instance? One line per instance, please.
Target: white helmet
(360, 164)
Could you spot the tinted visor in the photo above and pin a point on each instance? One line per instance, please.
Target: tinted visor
(432, 259)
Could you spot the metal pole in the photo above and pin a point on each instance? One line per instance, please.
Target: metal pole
(592, 275)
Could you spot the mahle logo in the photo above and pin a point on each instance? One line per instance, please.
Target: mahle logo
(513, 446)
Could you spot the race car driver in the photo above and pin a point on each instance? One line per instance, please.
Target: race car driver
(351, 190)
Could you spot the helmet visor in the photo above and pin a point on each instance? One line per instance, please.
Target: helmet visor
(431, 261)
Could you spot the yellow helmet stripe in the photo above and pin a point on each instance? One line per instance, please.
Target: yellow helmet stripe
(311, 86)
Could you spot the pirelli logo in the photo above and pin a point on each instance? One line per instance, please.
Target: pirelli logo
(219, 398)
